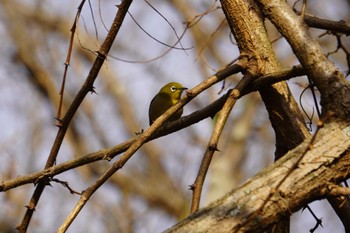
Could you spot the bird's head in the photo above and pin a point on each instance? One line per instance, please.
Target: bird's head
(173, 90)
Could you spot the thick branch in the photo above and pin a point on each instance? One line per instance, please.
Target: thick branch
(327, 77)
(328, 161)
(330, 25)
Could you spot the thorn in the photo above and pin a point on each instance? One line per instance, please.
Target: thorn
(48, 184)
(138, 133)
(30, 208)
(93, 91)
(213, 148)
(192, 187)
(59, 122)
(320, 222)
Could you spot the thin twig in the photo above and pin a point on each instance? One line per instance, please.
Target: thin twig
(213, 142)
(155, 58)
(157, 40)
(166, 20)
(65, 184)
(318, 220)
(65, 121)
(67, 62)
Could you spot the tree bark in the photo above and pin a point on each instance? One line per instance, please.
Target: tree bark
(328, 79)
(247, 25)
(261, 202)
(326, 161)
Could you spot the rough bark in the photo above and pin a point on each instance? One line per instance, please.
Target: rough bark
(247, 25)
(326, 162)
(329, 80)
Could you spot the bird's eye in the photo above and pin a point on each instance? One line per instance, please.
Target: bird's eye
(173, 88)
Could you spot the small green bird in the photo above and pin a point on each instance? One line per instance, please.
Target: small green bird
(168, 96)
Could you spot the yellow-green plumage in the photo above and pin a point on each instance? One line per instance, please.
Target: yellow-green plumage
(168, 96)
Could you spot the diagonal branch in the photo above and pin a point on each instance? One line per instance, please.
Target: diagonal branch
(86, 88)
(329, 80)
(110, 153)
(136, 144)
(327, 161)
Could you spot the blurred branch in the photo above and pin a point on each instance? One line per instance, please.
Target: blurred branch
(87, 87)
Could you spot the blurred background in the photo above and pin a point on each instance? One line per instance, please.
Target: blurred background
(151, 193)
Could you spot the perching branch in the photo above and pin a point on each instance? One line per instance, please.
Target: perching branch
(136, 144)
(170, 127)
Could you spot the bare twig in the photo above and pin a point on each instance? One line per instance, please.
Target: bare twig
(329, 25)
(213, 142)
(87, 87)
(157, 40)
(170, 127)
(155, 58)
(65, 184)
(166, 20)
(66, 64)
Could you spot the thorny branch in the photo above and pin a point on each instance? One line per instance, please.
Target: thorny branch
(86, 88)
(110, 153)
(233, 96)
(67, 62)
(136, 144)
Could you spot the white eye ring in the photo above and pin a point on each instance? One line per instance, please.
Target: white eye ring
(173, 88)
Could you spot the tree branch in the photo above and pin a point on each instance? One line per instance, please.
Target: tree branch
(329, 25)
(328, 161)
(233, 96)
(329, 80)
(65, 121)
(168, 128)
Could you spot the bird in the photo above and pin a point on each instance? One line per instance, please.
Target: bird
(167, 96)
